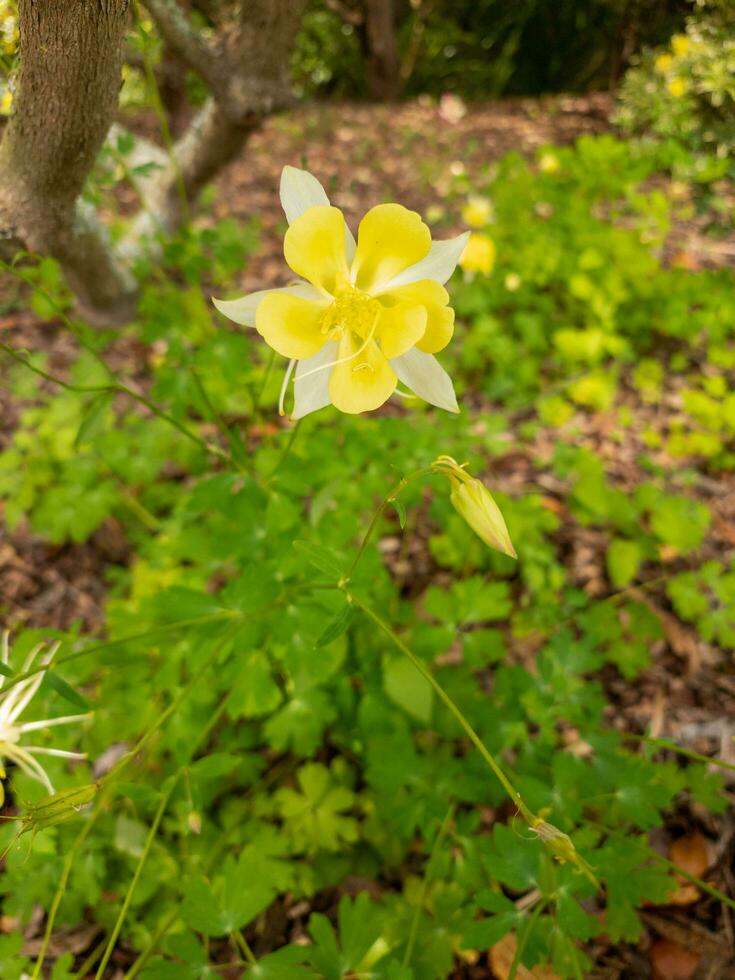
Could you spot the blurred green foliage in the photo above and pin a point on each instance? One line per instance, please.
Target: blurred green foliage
(484, 48)
(327, 757)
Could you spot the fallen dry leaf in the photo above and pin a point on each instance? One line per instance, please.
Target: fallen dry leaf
(670, 961)
(692, 853)
(501, 960)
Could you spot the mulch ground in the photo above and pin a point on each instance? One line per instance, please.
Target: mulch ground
(369, 154)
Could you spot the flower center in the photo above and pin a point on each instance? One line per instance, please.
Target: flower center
(353, 311)
(9, 734)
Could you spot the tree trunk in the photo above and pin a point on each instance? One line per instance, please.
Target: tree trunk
(247, 73)
(381, 49)
(68, 89)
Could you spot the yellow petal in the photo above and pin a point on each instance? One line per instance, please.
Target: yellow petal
(314, 247)
(290, 324)
(363, 383)
(400, 328)
(439, 329)
(439, 317)
(390, 239)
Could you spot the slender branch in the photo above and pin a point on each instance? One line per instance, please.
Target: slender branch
(182, 37)
(348, 14)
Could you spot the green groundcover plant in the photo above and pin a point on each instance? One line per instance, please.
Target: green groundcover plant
(685, 92)
(282, 709)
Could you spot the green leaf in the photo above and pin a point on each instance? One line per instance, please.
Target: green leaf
(232, 900)
(400, 509)
(680, 522)
(5, 670)
(93, 421)
(339, 625)
(623, 561)
(320, 557)
(65, 690)
(408, 688)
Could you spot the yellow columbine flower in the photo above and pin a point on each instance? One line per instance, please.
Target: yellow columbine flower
(474, 502)
(364, 315)
(549, 163)
(477, 212)
(13, 703)
(680, 45)
(663, 63)
(677, 87)
(479, 255)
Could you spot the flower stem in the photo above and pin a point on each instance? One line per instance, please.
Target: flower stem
(131, 887)
(287, 449)
(59, 894)
(425, 884)
(507, 785)
(385, 502)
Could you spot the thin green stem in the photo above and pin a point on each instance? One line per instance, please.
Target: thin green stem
(512, 792)
(156, 938)
(136, 877)
(61, 888)
(703, 885)
(413, 932)
(135, 637)
(123, 389)
(266, 379)
(390, 497)
(183, 694)
(664, 743)
(287, 449)
(83, 971)
(521, 941)
(242, 943)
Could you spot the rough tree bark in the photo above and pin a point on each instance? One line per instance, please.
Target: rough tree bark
(68, 87)
(378, 34)
(68, 90)
(375, 23)
(246, 71)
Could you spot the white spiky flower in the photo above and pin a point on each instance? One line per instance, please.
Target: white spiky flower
(13, 702)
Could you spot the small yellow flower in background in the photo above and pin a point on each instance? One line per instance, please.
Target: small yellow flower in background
(680, 45)
(549, 163)
(477, 212)
(6, 102)
(474, 503)
(363, 314)
(663, 63)
(13, 703)
(677, 87)
(513, 282)
(479, 254)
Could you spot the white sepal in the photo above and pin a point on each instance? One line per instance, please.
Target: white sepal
(425, 376)
(243, 310)
(439, 264)
(300, 191)
(312, 393)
